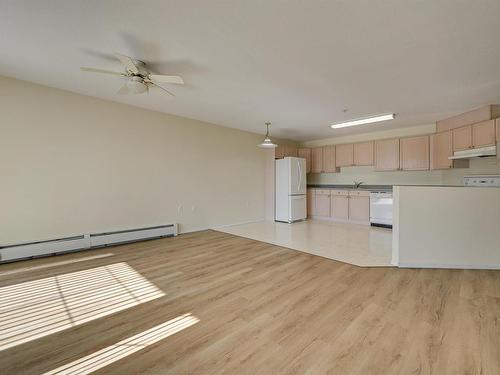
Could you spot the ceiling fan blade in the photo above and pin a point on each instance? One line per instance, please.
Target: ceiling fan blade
(124, 90)
(128, 62)
(161, 88)
(167, 79)
(95, 70)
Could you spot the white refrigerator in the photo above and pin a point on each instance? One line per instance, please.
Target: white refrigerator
(290, 200)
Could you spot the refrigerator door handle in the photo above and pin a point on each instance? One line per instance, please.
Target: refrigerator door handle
(300, 176)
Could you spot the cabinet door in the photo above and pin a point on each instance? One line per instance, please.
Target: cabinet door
(344, 155)
(306, 154)
(322, 204)
(339, 206)
(441, 149)
(329, 159)
(483, 134)
(359, 208)
(291, 151)
(387, 155)
(363, 153)
(497, 121)
(317, 160)
(279, 152)
(310, 202)
(414, 153)
(462, 138)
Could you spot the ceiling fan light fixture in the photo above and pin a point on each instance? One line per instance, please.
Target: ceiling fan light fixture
(267, 143)
(137, 85)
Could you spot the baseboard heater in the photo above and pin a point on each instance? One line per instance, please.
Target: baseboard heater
(37, 249)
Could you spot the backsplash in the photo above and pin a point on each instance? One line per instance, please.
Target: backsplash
(369, 176)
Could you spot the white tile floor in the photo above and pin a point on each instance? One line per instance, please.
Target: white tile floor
(361, 245)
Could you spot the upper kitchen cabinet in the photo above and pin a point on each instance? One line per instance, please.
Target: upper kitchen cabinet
(387, 155)
(279, 152)
(414, 153)
(291, 151)
(283, 151)
(317, 160)
(306, 154)
(477, 115)
(462, 138)
(329, 165)
(363, 153)
(441, 147)
(344, 155)
(483, 134)
(478, 135)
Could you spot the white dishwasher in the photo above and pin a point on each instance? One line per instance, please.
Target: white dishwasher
(381, 209)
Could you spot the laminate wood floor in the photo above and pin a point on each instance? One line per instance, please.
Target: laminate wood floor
(248, 307)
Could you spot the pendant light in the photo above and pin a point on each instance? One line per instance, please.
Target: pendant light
(267, 141)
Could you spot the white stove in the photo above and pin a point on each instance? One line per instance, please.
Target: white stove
(482, 180)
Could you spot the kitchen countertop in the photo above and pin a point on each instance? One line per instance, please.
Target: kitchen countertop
(351, 187)
(434, 185)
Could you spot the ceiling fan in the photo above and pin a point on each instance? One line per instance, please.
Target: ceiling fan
(139, 78)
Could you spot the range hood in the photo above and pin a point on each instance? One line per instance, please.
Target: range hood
(474, 153)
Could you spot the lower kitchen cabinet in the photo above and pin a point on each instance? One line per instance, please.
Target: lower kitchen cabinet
(322, 203)
(339, 204)
(310, 202)
(359, 208)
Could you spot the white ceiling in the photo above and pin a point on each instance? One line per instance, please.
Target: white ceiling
(296, 63)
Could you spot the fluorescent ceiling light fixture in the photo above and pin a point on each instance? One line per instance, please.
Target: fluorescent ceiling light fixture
(362, 121)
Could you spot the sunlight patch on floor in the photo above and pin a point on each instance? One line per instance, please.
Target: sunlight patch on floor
(124, 348)
(42, 307)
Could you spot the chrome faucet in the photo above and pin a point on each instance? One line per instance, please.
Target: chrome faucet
(357, 184)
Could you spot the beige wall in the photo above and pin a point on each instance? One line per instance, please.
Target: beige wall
(369, 176)
(446, 227)
(71, 164)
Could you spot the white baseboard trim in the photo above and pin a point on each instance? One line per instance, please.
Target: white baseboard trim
(218, 226)
(240, 223)
(450, 266)
(335, 220)
(194, 230)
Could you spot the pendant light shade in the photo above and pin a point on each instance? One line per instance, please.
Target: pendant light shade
(267, 141)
